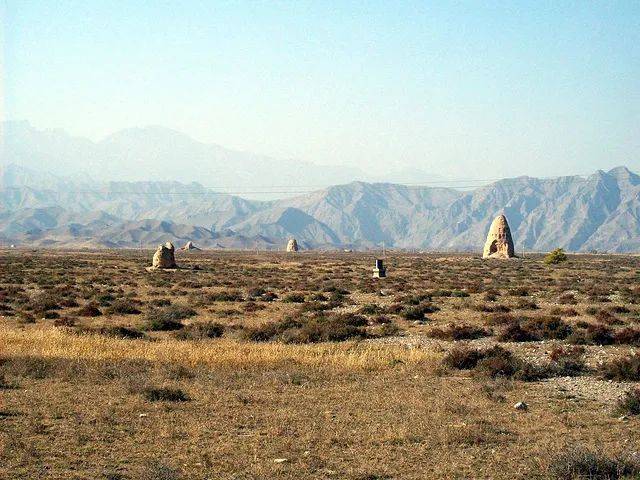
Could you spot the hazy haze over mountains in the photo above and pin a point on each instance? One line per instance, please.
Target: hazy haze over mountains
(599, 212)
(160, 154)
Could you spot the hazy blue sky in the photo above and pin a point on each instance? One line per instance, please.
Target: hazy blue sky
(461, 89)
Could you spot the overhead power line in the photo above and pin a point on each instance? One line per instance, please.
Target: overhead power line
(266, 190)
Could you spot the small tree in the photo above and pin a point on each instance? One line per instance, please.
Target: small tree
(556, 256)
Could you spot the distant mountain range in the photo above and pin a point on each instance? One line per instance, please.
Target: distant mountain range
(599, 212)
(159, 154)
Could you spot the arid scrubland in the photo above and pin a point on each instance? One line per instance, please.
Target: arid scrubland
(303, 366)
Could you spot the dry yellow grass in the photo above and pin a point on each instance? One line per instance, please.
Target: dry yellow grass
(73, 404)
(50, 342)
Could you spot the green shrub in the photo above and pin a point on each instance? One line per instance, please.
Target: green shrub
(556, 256)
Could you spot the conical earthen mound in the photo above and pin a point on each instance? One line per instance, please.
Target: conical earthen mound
(164, 256)
(190, 246)
(499, 243)
(292, 246)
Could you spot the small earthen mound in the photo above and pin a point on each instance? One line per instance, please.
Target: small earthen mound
(190, 246)
(292, 245)
(499, 243)
(164, 256)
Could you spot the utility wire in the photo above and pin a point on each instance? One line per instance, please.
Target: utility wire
(452, 184)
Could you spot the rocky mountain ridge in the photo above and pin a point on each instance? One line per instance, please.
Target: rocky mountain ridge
(599, 212)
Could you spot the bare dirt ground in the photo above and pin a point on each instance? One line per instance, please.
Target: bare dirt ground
(273, 365)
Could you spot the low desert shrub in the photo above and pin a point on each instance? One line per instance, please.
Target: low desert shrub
(567, 299)
(526, 304)
(88, 310)
(123, 306)
(462, 358)
(321, 328)
(335, 328)
(389, 329)
(253, 307)
(567, 361)
(603, 316)
(105, 299)
(537, 328)
(591, 310)
(164, 394)
(547, 328)
(592, 335)
(370, 309)
(622, 369)
(629, 404)
(316, 306)
(295, 297)
(200, 331)
(577, 463)
(64, 322)
(495, 362)
(418, 312)
(487, 308)
(120, 332)
(498, 319)
(619, 309)
(627, 336)
(458, 332)
(225, 296)
(160, 302)
(268, 297)
(514, 332)
(43, 302)
(168, 318)
(563, 312)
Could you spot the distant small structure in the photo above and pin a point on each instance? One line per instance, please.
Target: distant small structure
(499, 243)
(190, 246)
(164, 258)
(379, 271)
(292, 245)
(13, 246)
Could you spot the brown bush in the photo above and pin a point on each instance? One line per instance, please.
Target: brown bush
(622, 369)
